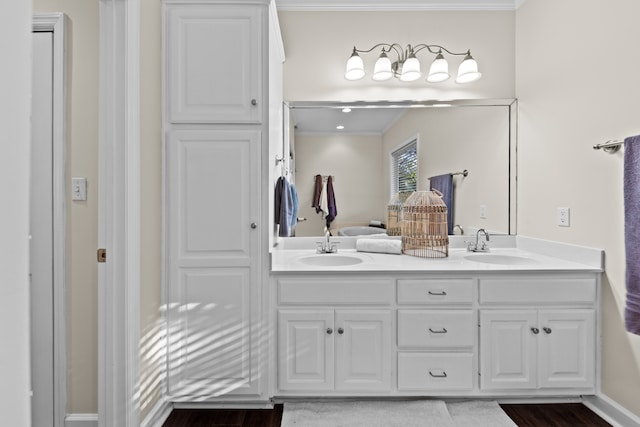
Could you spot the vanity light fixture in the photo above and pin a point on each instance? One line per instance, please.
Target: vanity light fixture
(407, 66)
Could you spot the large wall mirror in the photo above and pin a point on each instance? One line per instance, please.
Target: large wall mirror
(353, 143)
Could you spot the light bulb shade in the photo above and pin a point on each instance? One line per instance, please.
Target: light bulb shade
(410, 69)
(468, 70)
(382, 69)
(355, 67)
(439, 70)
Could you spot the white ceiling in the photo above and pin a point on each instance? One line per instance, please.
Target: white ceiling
(398, 4)
(363, 121)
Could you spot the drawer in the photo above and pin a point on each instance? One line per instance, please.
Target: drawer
(538, 290)
(435, 328)
(336, 291)
(435, 291)
(435, 371)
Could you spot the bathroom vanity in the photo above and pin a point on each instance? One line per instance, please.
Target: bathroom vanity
(508, 322)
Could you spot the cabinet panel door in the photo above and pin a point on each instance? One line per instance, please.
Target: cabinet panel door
(213, 181)
(214, 60)
(566, 348)
(305, 350)
(363, 350)
(209, 334)
(507, 349)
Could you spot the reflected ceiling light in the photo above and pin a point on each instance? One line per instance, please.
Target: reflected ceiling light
(406, 67)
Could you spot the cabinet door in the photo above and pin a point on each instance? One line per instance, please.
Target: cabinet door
(566, 348)
(213, 197)
(363, 350)
(212, 181)
(210, 334)
(214, 57)
(507, 349)
(305, 350)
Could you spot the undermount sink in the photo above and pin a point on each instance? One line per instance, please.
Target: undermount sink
(330, 260)
(500, 259)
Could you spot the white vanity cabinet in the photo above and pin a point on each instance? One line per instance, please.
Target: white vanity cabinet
(538, 333)
(216, 124)
(334, 335)
(447, 333)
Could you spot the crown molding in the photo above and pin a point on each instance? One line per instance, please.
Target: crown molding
(385, 5)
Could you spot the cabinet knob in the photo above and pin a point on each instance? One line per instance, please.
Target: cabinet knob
(329, 331)
(254, 102)
(535, 331)
(254, 225)
(340, 331)
(546, 330)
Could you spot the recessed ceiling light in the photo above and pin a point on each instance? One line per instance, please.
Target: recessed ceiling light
(346, 110)
(339, 127)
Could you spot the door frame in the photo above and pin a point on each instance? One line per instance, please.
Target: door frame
(56, 23)
(119, 214)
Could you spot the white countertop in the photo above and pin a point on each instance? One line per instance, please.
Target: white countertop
(514, 254)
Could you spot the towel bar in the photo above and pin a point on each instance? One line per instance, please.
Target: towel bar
(611, 146)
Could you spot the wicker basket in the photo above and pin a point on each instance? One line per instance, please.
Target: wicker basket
(424, 225)
(394, 213)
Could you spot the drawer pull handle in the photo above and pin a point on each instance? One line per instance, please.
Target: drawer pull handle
(442, 375)
(441, 293)
(535, 331)
(329, 331)
(441, 331)
(546, 330)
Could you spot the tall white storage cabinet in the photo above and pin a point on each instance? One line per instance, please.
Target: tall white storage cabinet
(216, 122)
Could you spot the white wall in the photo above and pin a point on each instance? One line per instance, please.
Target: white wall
(354, 162)
(318, 45)
(15, 110)
(578, 85)
(481, 146)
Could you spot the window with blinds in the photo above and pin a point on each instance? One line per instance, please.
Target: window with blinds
(404, 168)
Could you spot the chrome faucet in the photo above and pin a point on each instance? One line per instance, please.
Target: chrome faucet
(480, 246)
(326, 247)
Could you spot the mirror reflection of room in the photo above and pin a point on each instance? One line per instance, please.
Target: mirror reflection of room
(360, 160)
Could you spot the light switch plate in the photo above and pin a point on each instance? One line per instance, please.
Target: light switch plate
(79, 188)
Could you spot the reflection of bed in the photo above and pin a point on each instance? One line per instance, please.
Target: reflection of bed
(360, 231)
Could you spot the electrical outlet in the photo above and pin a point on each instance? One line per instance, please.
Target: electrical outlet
(483, 211)
(563, 217)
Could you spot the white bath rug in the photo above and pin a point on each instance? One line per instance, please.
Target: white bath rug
(417, 413)
(475, 413)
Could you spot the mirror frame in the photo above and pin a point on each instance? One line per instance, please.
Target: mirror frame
(510, 103)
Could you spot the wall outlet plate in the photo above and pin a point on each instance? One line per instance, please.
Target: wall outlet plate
(563, 217)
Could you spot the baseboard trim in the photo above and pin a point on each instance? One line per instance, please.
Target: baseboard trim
(158, 415)
(81, 420)
(611, 411)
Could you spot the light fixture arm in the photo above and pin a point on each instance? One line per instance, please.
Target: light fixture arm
(386, 48)
(430, 48)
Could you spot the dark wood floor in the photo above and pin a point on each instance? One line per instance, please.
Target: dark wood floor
(547, 415)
